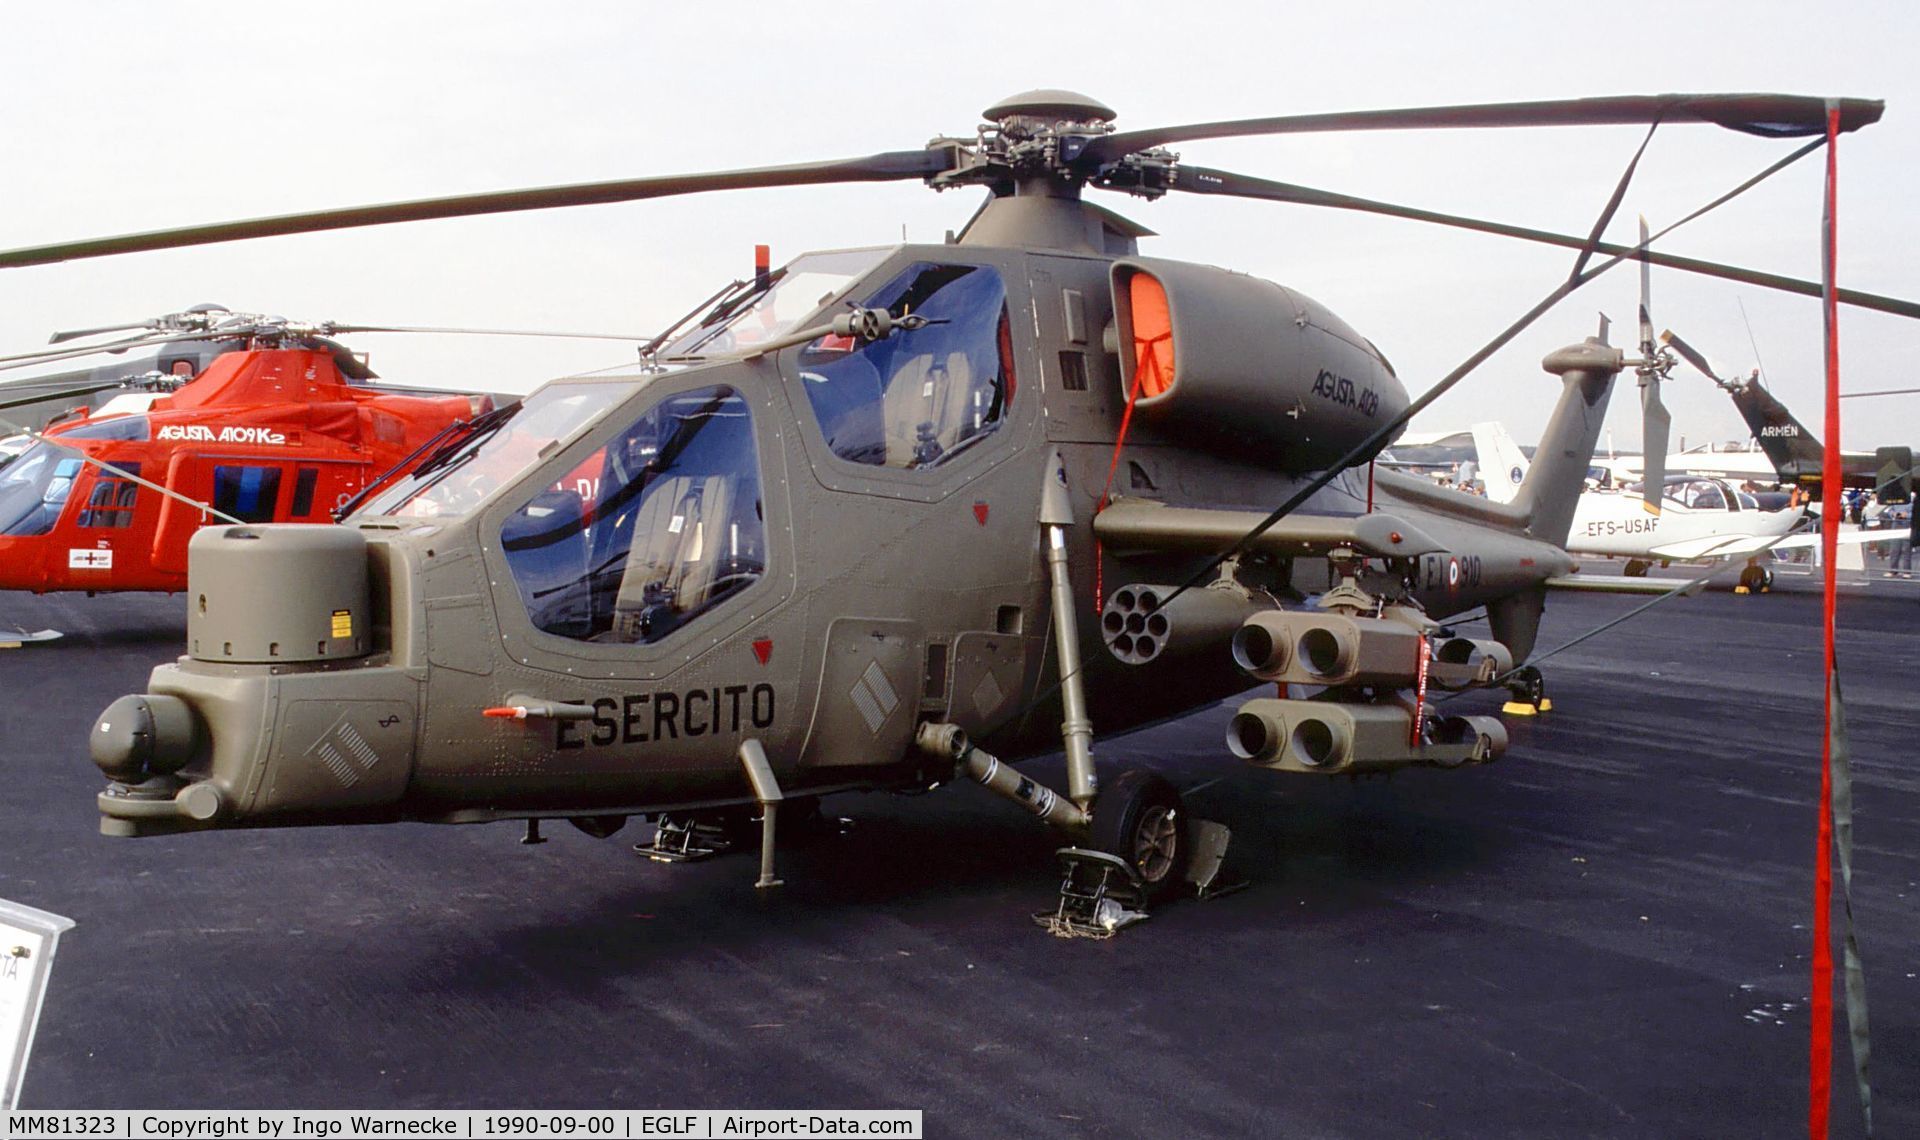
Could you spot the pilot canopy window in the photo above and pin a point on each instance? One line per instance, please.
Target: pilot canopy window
(917, 397)
(646, 533)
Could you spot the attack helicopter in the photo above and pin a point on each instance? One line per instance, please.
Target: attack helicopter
(279, 425)
(842, 532)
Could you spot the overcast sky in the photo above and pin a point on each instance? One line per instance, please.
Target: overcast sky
(120, 117)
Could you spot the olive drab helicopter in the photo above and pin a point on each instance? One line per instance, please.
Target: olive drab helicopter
(889, 518)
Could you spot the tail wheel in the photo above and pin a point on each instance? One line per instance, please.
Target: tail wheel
(1757, 579)
(1139, 818)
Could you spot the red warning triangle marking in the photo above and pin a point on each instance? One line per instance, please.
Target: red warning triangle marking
(763, 649)
(980, 513)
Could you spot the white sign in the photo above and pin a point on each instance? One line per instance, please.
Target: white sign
(27, 941)
(89, 559)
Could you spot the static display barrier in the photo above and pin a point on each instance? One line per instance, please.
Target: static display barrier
(345, 1124)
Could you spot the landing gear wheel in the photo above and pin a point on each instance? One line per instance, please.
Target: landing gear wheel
(1757, 579)
(1139, 818)
(1636, 568)
(1529, 691)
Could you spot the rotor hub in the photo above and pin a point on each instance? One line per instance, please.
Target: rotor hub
(1032, 143)
(1032, 113)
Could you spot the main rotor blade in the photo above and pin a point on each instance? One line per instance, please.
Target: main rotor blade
(343, 329)
(886, 167)
(44, 355)
(1202, 180)
(76, 334)
(1759, 114)
(84, 390)
(115, 347)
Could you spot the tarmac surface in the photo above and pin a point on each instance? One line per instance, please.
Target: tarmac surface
(1604, 934)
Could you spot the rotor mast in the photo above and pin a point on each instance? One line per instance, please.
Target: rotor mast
(1026, 155)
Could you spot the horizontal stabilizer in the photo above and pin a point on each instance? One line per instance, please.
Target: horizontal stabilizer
(1619, 584)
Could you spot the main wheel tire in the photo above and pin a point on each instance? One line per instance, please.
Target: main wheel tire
(1528, 684)
(1139, 818)
(1636, 568)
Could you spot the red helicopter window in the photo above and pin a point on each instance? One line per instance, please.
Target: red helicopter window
(918, 396)
(1152, 335)
(34, 489)
(247, 493)
(111, 503)
(303, 486)
(672, 526)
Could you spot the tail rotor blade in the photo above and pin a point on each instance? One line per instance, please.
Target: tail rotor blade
(1689, 354)
(1646, 292)
(1655, 421)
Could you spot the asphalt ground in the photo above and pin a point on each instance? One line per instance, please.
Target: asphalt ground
(1604, 934)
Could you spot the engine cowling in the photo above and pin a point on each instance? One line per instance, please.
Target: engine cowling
(1236, 364)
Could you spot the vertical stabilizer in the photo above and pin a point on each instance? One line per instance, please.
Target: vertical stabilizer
(1794, 451)
(1503, 467)
(1552, 486)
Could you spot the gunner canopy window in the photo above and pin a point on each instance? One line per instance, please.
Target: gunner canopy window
(917, 397)
(478, 458)
(796, 292)
(668, 524)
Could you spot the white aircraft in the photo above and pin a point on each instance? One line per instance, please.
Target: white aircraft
(1700, 518)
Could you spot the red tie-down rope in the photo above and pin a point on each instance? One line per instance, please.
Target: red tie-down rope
(1146, 361)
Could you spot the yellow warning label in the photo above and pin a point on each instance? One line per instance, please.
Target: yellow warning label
(343, 623)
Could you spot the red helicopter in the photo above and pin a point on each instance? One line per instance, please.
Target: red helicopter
(106, 499)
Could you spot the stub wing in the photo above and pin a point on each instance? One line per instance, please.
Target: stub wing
(1141, 526)
(1619, 584)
